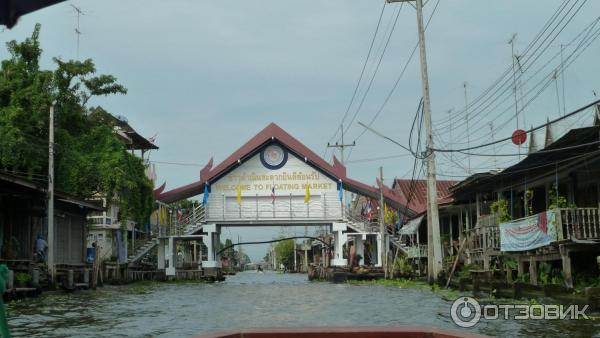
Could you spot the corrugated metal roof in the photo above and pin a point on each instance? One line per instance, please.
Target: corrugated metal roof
(418, 201)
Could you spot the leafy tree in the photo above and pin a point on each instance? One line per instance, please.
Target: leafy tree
(90, 159)
(284, 252)
(230, 251)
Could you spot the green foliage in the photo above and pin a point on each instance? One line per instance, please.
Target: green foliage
(89, 158)
(544, 271)
(500, 207)
(583, 280)
(403, 266)
(448, 263)
(523, 278)
(466, 270)
(529, 201)
(557, 201)
(284, 252)
(229, 252)
(22, 278)
(548, 275)
(11, 248)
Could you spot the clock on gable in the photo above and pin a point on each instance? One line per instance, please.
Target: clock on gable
(273, 157)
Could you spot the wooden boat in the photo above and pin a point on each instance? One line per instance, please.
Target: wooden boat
(348, 332)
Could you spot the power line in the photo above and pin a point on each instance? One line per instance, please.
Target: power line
(528, 131)
(486, 104)
(366, 93)
(507, 72)
(371, 159)
(588, 38)
(404, 68)
(362, 72)
(527, 64)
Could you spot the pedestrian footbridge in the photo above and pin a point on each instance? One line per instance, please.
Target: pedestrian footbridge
(272, 180)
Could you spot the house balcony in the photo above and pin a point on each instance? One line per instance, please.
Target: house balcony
(100, 221)
(578, 224)
(485, 236)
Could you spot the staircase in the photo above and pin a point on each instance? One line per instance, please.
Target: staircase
(363, 225)
(143, 251)
(400, 245)
(360, 225)
(193, 223)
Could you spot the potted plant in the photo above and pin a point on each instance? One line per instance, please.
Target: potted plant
(22, 279)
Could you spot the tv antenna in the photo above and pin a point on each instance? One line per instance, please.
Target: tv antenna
(77, 30)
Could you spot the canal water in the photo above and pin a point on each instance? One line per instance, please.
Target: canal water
(251, 299)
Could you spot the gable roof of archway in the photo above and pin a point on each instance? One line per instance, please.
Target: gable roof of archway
(275, 133)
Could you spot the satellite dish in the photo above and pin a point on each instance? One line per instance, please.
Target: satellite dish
(519, 137)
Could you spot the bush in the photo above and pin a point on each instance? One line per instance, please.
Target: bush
(22, 278)
(403, 266)
(464, 273)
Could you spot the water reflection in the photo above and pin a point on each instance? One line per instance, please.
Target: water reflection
(249, 299)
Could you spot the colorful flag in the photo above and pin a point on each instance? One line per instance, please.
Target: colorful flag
(307, 194)
(239, 194)
(273, 195)
(161, 215)
(205, 198)
(179, 215)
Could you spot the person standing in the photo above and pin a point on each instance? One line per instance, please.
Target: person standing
(41, 247)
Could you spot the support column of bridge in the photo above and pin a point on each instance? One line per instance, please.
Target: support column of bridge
(160, 255)
(360, 247)
(171, 257)
(212, 265)
(340, 238)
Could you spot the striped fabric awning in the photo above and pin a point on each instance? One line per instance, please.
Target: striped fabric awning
(411, 227)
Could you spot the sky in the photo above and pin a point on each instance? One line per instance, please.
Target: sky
(206, 76)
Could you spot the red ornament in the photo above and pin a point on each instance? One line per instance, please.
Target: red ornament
(519, 137)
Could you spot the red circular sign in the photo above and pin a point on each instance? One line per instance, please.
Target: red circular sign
(519, 137)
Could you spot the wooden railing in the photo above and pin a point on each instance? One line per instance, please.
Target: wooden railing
(578, 223)
(416, 251)
(485, 235)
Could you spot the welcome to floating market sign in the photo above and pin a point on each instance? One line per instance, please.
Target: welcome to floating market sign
(277, 169)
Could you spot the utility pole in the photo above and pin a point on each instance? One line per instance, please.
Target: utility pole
(468, 132)
(51, 196)
(77, 31)
(562, 77)
(511, 42)
(383, 253)
(433, 221)
(493, 145)
(451, 140)
(341, 146)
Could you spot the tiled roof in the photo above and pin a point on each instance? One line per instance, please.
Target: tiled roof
(418, 201)
(269, 134)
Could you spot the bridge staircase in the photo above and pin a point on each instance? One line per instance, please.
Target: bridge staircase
(191, 225)
(142, 252)
(365, 225)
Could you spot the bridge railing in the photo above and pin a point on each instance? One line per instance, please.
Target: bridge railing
(292, 207)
